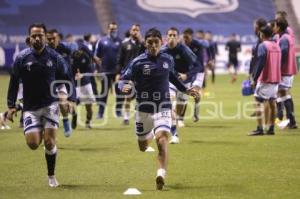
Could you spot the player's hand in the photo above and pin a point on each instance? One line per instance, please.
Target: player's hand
(126, 88)
(117, 78)
(182, 76)
(78, 75)
(11, 113)
(194, 93)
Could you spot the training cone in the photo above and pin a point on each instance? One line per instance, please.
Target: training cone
(132, 191)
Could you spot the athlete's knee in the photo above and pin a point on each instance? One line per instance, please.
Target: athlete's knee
(33, 145)
(49, 144)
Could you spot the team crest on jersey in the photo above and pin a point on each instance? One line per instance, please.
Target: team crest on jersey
(49, 63)
(129, 47)
(192, 8)
(177, 56)
(146, 70)
(83, 61)
(28, 66)
(165, 65)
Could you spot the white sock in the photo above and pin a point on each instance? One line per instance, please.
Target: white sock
(126, 115)
(161, 172)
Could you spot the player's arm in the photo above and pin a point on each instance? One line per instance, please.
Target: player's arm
(261, 61)
(64, 70)
(13, 89)
(125, 84)
(284, 46)
(178, 84)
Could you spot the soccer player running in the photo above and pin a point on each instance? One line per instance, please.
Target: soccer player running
(54, 42)
(37, 67)
(288, 70)
(151, 72)
(131, 48)
(266, 77)
(184, 60)
(234, 47)
(108, 49)
(198, 47)
(82, 67)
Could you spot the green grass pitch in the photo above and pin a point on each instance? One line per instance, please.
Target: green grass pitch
(215, 159)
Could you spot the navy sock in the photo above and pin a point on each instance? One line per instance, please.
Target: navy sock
(173, 130)
(280, 110)
(289, 110)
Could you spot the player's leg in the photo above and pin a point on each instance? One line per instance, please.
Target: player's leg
(272, 117)
(259, 97)
(198, 84)
(33, 128)
(88, 101)
(103, 95)
(50, 128)
(181, 107)
(162, 124)
(173, 97)
(64, 109)
(144, 126)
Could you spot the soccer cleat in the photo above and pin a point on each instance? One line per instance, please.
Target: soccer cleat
(67, 129)
(283, 124)
(118, 114)
(174, 140)
(195, 118)
(160, 179)
(52, 182)
(180, 123)
(74, 121)
(256, 133)
(100, 116)
(126, 122)
(270, 132)
(88, 125)
(292, 126)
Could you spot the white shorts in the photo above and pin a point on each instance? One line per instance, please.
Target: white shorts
(265, 91)
(47, 117)
(286, 82)
(62, 89)
(199, 80)
(146, 122)
(85, 94)
(177, 95)
(20, 92)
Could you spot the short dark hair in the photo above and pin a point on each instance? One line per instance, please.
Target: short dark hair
(112, 23)
(267, 31)
(260, 22)
(200, 31)
(37, 25)
(174, 29)
(188, 31)
(153, 32)
(52, 31)
(281, 13)
(136, 24)
(87, 37)
(281, 23)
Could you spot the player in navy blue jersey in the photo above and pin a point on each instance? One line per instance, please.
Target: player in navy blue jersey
(107, 49)
(132, 47)
(150, 73)
(82, 67)
(212, 52)
(234, 47)
(198, 47)
(184, 65)
(55, 43)
(38, 68)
